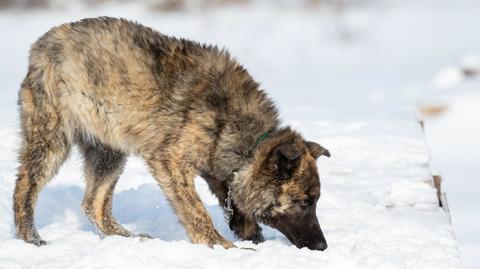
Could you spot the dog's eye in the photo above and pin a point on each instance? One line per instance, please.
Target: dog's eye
(305, 203)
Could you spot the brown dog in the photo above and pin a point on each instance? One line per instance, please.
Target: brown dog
(114, 88)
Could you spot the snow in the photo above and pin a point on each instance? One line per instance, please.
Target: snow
(471, 62)
(378, 210)
(449, 77)
(346, 78)
(457, 153)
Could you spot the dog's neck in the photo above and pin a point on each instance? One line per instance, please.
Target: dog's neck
(248, 156)
(228, 207)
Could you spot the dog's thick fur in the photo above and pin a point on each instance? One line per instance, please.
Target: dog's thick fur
(114, 88)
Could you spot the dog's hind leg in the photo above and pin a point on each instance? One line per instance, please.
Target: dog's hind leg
(102, 166)
(44, 148)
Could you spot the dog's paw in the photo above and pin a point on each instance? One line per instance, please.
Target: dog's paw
(143, 236)
(219, 241)
(226, 244)
(37, 242)
(255, 235)
(257, 238)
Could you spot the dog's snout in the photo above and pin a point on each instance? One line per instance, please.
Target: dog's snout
(321, 246)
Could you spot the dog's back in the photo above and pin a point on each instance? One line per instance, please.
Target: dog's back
(119, 81)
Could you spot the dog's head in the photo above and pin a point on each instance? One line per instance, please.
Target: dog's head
(282, 186)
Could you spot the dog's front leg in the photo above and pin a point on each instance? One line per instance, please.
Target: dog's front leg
(178, 186)
(244, 228)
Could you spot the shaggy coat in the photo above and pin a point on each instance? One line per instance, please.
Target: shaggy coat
(116, 88)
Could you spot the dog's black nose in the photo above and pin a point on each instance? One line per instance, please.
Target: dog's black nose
(321, 246)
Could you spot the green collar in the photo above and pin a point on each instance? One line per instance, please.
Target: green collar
(263, 136)
(228, 213)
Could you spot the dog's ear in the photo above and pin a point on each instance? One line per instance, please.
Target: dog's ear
(316, 150)
(287, 158)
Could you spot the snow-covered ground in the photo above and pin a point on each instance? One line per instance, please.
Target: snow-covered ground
(344, 79)
(378, 210)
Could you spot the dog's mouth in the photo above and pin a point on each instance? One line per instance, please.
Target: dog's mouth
(301, 231)
(311, 242)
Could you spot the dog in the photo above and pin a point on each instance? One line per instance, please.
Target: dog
(115, 88)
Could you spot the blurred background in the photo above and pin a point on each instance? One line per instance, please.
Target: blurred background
(320, 57)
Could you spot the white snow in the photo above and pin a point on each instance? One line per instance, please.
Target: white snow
(449, 77)
(471, 62)
(343, 78)
(378, 210)
(457, 155)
